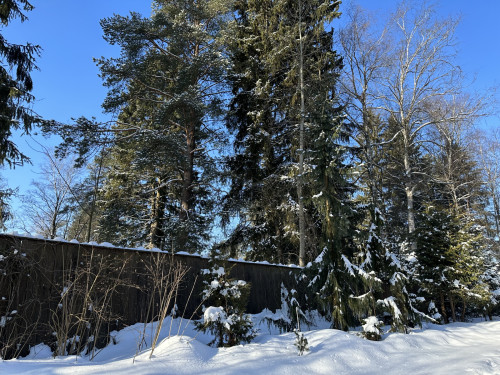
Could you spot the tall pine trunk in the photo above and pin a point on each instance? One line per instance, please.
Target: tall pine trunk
(452, 306)
(158, 203)
(187, 186)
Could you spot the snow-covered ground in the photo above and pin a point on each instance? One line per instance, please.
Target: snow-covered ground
(458, 348)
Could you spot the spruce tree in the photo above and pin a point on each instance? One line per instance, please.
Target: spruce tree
(226, 298)
(15, 85)
(283, 77)
(434, 237)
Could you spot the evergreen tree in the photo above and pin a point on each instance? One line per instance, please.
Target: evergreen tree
(434, 239)
(5, 210)
(171, 65)
(467, 254)
(15, 85)
(283, 77)
(165, 88)
(227, 298)
(261, 143)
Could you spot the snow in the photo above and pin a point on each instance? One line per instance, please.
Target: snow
(214, 314)
(106, 244)
(317, 195)
(139, 248)
(457, 348)
(371, 324)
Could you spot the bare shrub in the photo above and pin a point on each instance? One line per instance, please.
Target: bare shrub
(164, 277)
(19, 309)
(81, 321)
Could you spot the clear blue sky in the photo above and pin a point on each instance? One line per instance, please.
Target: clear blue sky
(68, 85)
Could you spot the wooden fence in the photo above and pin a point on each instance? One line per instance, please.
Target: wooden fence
(48, 285)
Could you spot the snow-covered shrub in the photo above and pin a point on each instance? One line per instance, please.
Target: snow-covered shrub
(372, 329)
(228, 329)
(227, 298)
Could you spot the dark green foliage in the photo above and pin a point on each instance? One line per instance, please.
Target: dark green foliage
(264, 115)
(390, 293)
(165, 88)
(5, 209)
(434, 239)
(15, 85)
(450, 262)
(227, 298)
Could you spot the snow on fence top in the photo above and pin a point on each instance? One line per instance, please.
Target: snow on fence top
(108, 245)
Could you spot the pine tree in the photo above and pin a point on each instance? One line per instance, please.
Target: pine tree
(165, 89)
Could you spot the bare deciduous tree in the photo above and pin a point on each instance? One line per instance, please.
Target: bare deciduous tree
(46, 207)
(406, 73)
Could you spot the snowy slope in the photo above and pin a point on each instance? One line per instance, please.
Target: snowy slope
(459, 348)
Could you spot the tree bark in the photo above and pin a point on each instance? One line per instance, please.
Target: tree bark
(187, 186)
(302, 230)
(158, 202)
(452, 305)
(443, 309)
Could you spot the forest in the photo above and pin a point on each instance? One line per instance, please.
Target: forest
(262, 130)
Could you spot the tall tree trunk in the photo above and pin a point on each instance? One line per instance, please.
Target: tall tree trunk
(187, 185)
(464, 305)
(158, 202)
(496, 207)
(452, 306)
(53, 224)
(94, 197)
(302, 230)
(443, 309)
(409, 190)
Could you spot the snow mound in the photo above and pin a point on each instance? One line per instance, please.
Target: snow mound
(456, 348)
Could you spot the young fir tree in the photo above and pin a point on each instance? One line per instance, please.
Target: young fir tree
(391, 294)
(227, 298)
(466, 253)
(491, 276)
(434, 237)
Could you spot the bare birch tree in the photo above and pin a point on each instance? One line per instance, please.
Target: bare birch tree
(404, 72)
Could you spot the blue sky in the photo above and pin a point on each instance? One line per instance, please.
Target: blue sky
(67, 84)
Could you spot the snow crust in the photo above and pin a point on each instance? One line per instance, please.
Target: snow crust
(458, 348)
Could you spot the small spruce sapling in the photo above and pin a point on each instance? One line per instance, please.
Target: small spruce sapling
(227, 298)
(300, 340)
(372, 329)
